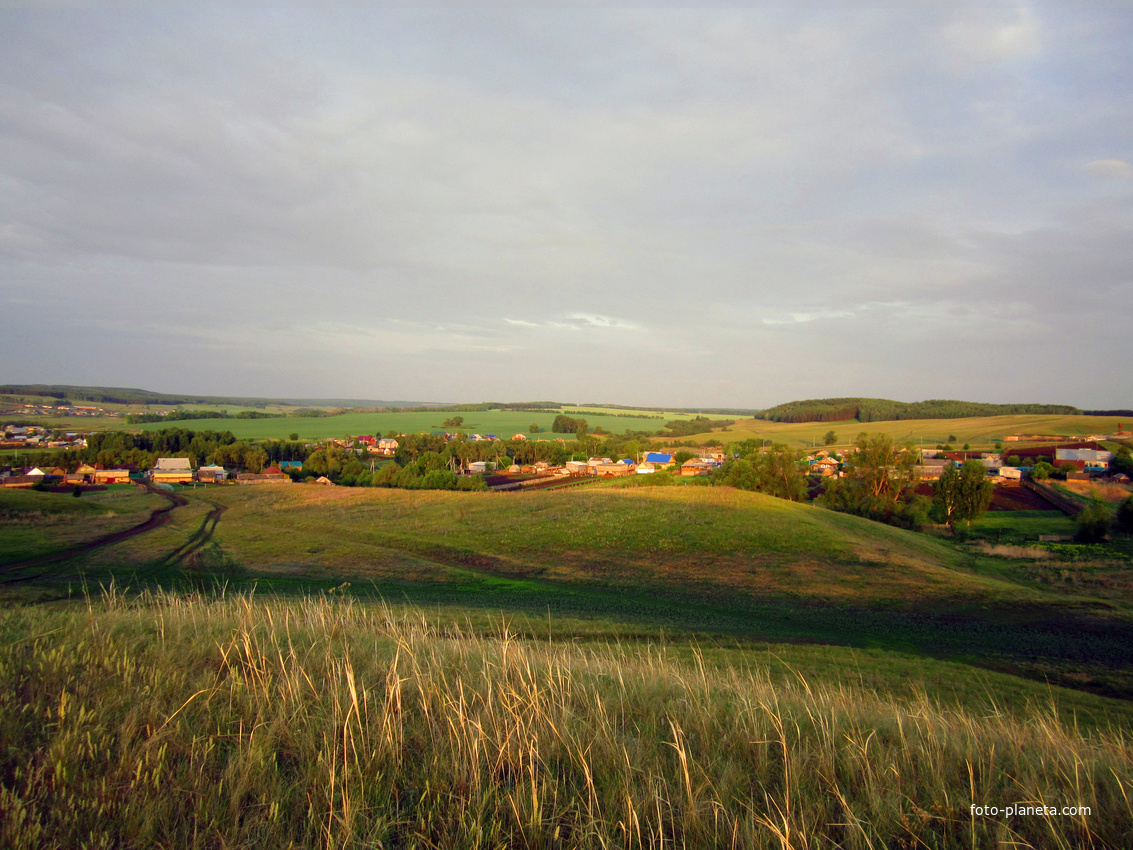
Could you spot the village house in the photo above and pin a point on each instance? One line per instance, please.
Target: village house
(271, 475)
(114, 476)
(172, 470)
(212, 474)
(1083, 458)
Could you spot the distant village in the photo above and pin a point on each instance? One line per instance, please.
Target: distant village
(1074, 458)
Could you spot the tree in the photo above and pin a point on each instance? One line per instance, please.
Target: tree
(680, 457)
(454, 422)
(962, 494)
(293, 436)
(1122, 461)
(1041, 470)
(1091, 525)
(883, 467)
(830, 439)
(534, 429)
(781, 474)
(1014, 460)
(879, 478)
(1125, 515)
(952, 438)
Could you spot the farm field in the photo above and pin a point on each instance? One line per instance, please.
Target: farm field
(503, 423)
(980, 432)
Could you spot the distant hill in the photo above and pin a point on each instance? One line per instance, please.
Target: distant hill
(883, 410)
(130, 395)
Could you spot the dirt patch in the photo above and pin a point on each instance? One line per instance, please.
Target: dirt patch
(1014, 497)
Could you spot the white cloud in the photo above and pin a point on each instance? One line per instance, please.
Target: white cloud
(1113, 168)
(986, 34)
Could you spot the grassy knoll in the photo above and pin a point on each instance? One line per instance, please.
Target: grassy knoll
(982, 431)
(34, 523)
(199, 722)
(676, 537)
(692, 559)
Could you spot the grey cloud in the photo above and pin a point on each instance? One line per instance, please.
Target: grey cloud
(446, 204)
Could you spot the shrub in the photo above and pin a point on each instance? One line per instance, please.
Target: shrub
(1125, 515)
(1092, 524)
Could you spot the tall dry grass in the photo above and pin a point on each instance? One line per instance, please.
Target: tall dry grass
(186, 721)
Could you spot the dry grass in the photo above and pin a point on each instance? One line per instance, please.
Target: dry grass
(1111, 493)
(183, 721)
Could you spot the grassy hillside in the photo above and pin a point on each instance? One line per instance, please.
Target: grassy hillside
(182, 721)
(713, 537)
(34, 523)
(710, 560)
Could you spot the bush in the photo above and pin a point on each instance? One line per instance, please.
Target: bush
(1125, 515)
(1092, 524)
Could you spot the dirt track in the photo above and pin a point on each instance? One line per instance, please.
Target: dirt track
(158, 518)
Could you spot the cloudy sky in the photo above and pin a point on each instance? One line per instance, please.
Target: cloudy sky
(654, 205)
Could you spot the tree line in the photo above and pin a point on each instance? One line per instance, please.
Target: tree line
(190, 415)
(883, 410)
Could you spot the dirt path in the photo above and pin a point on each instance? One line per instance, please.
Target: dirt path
(200, 538)
(158, 518)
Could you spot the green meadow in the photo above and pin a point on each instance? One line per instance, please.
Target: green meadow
(595, 667)
(502, 423)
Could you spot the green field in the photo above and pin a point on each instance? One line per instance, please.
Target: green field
(704, 559)
(296, 665)
(34, 523)
(243, 721)
(502, 423)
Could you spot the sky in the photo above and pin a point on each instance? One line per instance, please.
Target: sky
(659, 205)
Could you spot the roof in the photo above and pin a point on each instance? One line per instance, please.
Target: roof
(171, 464)
(1082, 454)
(657, 457)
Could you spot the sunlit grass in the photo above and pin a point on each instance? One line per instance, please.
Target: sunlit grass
(190, 722)
(37, 523)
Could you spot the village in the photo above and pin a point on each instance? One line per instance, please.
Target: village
(1034, 456)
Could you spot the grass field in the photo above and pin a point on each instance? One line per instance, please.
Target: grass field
(200, 722)
(980, 432)
(502, 423)
(34, 523)
(694, 559)
(596, 667)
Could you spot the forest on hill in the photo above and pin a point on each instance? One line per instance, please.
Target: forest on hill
(884, 410)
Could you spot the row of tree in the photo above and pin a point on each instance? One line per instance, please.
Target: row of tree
(882, 410)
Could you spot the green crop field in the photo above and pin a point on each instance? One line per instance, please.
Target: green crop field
(502, 423)
(982, 431)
